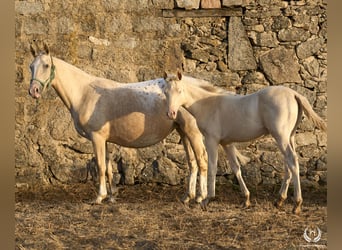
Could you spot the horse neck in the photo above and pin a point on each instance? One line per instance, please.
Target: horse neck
(70, 82)
(194, 93)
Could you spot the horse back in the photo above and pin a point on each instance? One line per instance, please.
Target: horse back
(131, 116)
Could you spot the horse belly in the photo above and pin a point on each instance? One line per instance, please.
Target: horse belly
(139, 130)
(244, 133)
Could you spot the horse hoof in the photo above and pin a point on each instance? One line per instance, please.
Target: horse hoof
(99, 200)
(95, 202)
(297, 208)
(279, 203)
(199, 199)
(204, 204)
(246, 204)
(186, 199)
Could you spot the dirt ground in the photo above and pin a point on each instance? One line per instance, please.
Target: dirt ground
(151, 216)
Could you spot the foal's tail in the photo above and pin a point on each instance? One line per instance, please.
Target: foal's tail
(310, 113)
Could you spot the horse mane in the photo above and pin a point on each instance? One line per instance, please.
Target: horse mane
(207, 86)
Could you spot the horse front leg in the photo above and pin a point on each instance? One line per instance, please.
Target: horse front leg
(189, 126)
(191, 190)
(99, 145)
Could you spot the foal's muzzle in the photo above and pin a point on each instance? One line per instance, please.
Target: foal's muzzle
(172, 114)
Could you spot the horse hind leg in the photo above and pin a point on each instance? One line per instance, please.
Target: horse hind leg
(284, 187)
(292, 169)
(109, 172)
(295, 172)
(212, 150)
(286, 180)
(235, 165)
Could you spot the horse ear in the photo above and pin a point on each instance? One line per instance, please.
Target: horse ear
(46, 48)
(165, 75)
(33, 51)
(179, 75)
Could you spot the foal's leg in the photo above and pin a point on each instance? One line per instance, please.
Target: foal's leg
(189, 126)
(287, 179)
(287, 147)
(211, 146)
(191, 192)
(99, 145)
(111, 183)
(284, 186)
(235, 165)
(296, 178)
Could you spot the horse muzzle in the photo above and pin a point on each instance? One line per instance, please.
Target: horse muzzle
(34, 91)
(172, 114)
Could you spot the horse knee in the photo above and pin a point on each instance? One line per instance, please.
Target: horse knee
(191, 126)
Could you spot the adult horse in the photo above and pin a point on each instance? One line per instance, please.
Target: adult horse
(130, 115)
(224, 118)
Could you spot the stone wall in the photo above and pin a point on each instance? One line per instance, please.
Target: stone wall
(240, 45)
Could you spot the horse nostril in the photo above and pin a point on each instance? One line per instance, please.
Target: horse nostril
(171, 114)
(36, 90)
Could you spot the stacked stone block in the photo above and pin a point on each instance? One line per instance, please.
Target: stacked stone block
(269, 43)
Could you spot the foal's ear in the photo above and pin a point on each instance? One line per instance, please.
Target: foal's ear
(165, 75)
(33, 51)
(179, 75)
(46, 48)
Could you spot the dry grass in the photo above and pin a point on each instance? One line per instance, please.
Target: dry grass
(152, 217)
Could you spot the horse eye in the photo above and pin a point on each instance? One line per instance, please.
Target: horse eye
(46, 66)
(178, 89)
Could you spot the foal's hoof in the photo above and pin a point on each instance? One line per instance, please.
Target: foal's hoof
(199, 199)
(246, 204)
(204, 204)
(99, 199)
(279, 203)
(297, 208)
(96, 202)
(112, 199)
(186, 199)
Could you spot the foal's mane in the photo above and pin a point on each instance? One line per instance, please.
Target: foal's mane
(207, 86)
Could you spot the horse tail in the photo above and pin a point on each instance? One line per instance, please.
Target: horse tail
(243, 159)
(310, 113)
